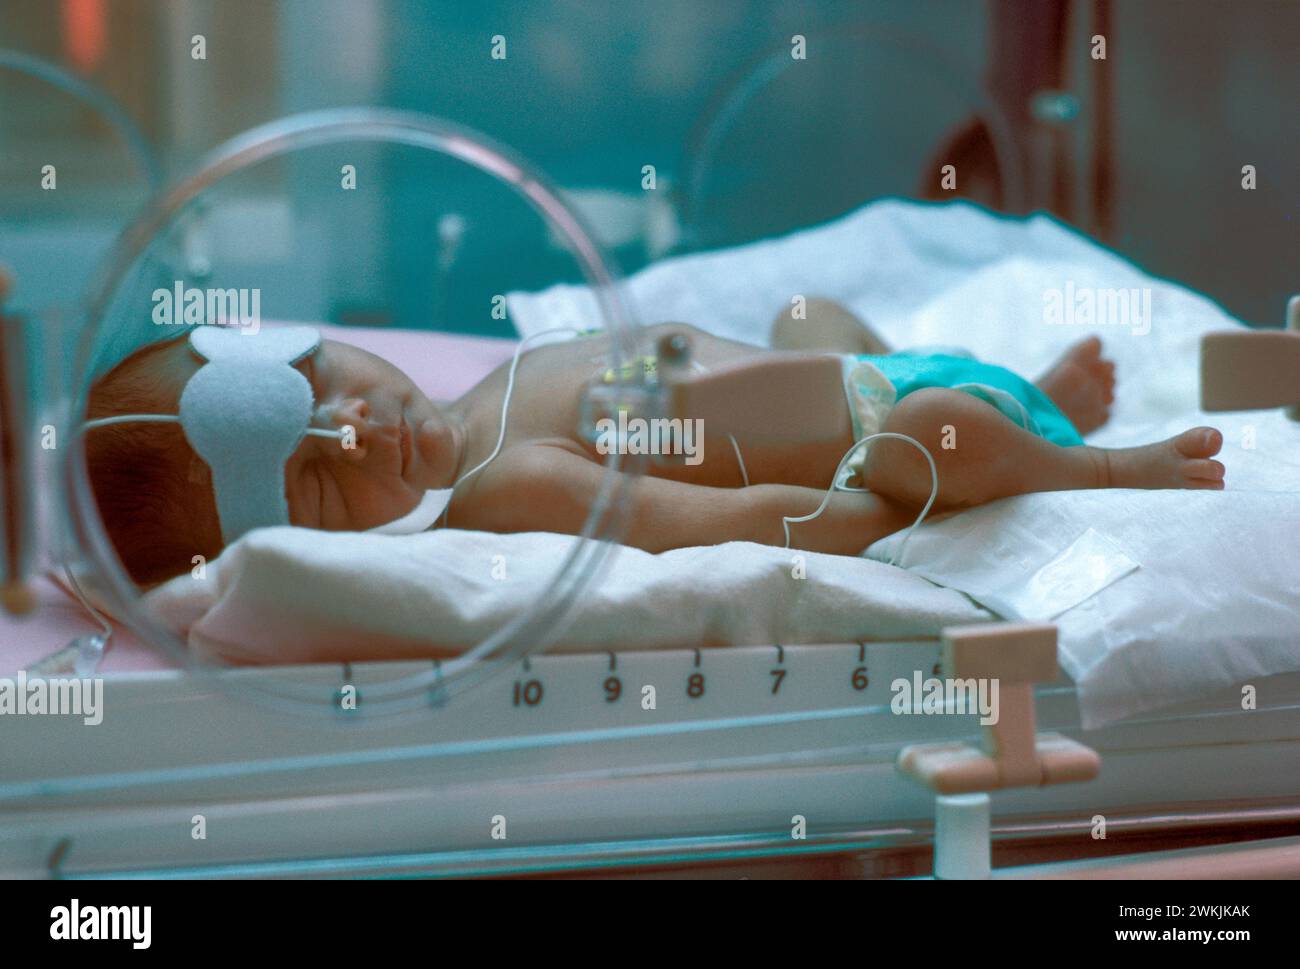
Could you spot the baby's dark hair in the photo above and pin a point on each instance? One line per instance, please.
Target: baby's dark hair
(153, 492)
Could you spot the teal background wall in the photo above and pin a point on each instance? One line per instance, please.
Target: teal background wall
(591, 92)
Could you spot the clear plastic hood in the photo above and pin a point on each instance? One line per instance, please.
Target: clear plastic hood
(202, 235)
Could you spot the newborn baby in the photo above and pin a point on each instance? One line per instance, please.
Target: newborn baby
(1012, 437)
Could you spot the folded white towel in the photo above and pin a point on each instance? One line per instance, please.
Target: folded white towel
(290, 595)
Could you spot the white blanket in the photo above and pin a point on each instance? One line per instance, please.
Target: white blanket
(1159, 595)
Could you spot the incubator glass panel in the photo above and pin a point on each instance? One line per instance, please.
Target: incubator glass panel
(74, 169)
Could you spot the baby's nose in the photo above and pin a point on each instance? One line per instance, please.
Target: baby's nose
(351, 410)
(352, 417)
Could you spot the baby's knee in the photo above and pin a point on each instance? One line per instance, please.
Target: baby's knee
(931, 416)
(931, 413)
(823, 325)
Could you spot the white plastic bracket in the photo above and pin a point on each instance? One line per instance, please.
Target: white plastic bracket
(1012, 753)
(1253, 369)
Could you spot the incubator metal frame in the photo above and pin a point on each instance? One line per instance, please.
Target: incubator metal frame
(588, 787)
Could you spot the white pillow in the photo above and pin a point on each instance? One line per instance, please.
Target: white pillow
(291, 595)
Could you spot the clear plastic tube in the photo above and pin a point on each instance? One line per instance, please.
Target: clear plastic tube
(88, 94)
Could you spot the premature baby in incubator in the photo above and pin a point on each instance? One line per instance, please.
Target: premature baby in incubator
(155, 494)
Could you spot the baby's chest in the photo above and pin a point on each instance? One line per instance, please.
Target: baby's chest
(548, 404)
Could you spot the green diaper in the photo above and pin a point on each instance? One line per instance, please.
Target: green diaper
(875, 383)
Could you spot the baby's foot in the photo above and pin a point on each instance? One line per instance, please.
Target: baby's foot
(1180, 462)
(1082, 385)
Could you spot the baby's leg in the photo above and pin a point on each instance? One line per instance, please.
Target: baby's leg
(826, 326)
(990, 457)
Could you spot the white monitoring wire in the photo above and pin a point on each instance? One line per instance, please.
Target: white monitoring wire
(744, 472)
(786, 522)
(131, 419)
(505, 408)
(505, 412)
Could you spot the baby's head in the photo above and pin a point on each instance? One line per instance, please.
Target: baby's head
(155, 493)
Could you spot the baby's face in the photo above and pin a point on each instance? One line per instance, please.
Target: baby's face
(405, 444)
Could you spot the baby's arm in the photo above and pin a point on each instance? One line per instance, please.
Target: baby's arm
(540, 487)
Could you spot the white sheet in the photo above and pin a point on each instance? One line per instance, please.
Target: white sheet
(1214, 598)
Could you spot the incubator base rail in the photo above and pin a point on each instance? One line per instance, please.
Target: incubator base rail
(1022, 848)
(574, 769)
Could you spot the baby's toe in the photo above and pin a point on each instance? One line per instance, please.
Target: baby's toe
(1104, 374)
(1089, 348)
(1199, 442)
(1203, 469)
(1203, 484)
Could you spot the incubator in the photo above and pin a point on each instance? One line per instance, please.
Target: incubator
(498, 759)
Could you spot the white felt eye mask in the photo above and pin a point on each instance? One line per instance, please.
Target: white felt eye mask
(247, 408)
(244, 412)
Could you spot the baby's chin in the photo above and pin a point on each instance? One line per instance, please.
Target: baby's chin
(434, 444)
(383, 507)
